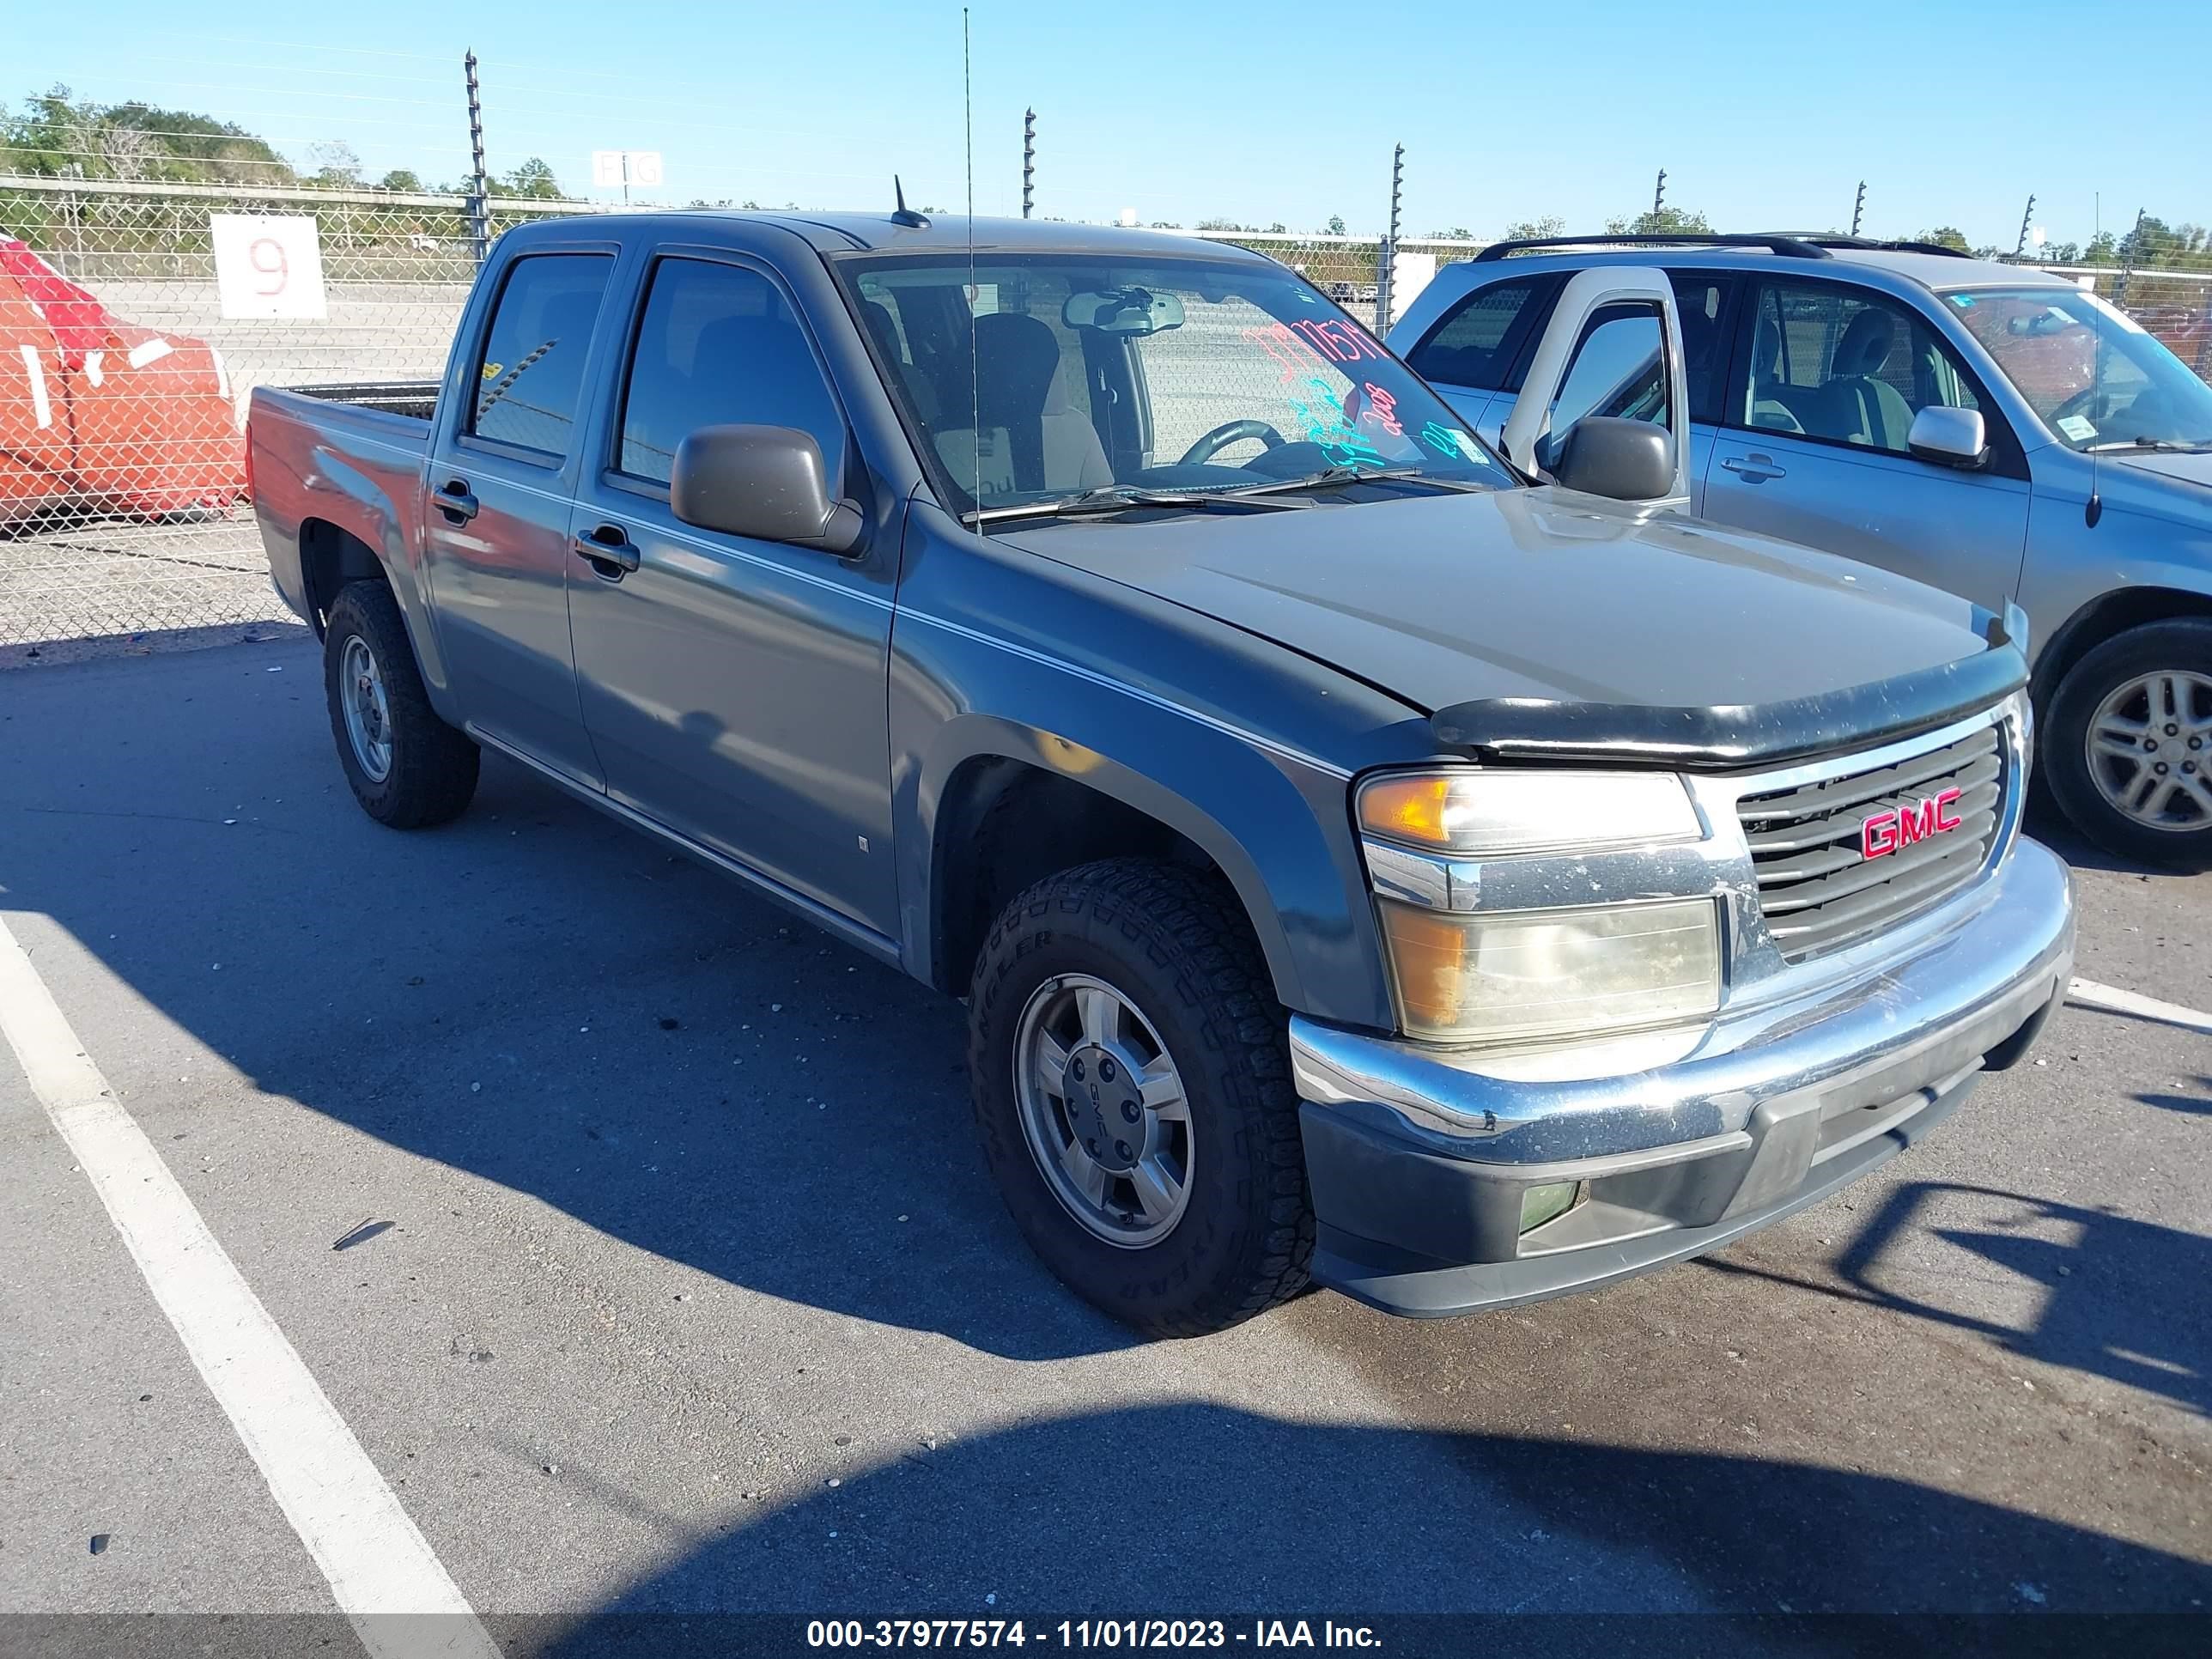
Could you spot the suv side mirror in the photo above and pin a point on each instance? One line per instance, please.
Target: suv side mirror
(1949, 437)
(764, 482)
(1606, 455)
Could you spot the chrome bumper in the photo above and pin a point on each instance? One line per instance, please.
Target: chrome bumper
(1416, 1157)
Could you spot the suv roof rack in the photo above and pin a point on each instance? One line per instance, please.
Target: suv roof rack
(1789, 244)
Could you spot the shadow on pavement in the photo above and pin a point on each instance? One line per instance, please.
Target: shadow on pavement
(1093, 1515)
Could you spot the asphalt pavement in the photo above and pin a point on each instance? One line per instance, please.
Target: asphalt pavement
(638, 1233)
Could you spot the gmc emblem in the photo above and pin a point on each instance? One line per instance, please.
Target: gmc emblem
(1885, 832)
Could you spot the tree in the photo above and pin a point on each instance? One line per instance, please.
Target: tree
(1533, 230)
(56, 134)
(1224, 224)
(1336, 224)
(336, 165)
(533, 179)
(1946, 236)
(1668, 222)
(402, 179)
(1456, 234)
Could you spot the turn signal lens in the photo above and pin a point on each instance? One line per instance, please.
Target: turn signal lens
(1490, 814)
(1534, 975)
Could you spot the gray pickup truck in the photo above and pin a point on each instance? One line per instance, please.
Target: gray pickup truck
(1360, 868)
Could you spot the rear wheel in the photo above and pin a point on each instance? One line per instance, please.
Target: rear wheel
(408, 768)
(1131, 1071)
(2127, 751)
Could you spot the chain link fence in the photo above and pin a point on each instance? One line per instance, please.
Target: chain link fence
(125, 375)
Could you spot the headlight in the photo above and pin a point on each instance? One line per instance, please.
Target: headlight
(1497, 814)
(1527, 975)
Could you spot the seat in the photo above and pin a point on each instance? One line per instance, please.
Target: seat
(1852, 406)
(1768, 408)
(1020, 390)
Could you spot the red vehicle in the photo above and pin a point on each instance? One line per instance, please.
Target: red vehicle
(101, 416)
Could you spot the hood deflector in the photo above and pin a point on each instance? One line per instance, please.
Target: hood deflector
(1742, 735)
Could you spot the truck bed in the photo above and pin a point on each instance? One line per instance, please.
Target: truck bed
(416, 399)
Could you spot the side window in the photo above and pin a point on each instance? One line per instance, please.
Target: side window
(1846, 365)
(1477, 341)
(1619, 368)
(719, 345)
(1701, 306)
(532, 371)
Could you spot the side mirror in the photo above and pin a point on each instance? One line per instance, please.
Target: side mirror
(1606, 455)
(1949, 437)
(764, 482)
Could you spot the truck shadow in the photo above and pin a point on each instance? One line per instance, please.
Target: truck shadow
(1093, 1515)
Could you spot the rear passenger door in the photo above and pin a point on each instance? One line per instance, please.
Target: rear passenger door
(1813, 441)
(1478, 352)
(734, 689)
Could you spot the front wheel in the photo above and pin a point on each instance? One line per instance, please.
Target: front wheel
(2128, 746)
(1132, 1082)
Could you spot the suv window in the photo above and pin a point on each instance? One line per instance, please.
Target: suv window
(1844, 366)
(719, 345)
(532, 371)
(1477, 342)
(1618, 368)
(1702, 306)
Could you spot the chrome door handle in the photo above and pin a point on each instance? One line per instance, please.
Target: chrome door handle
(609, 551)
(1754, 469)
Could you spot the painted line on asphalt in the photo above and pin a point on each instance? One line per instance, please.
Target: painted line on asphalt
(2112, 1000)
(386, 1580)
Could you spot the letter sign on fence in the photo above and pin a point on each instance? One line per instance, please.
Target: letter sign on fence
(269, 265)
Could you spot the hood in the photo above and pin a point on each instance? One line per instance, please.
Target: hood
(2193, 468)
(1532, 593)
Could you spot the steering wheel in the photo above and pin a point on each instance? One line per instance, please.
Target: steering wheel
(1227, 433)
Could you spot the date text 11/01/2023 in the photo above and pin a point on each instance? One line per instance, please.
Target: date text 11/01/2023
(1090, 1635)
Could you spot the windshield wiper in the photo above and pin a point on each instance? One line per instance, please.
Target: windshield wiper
(1115, 498)
(1330, 477)
(2168, 446)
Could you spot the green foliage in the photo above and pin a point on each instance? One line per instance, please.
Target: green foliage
(1946, 236)
(404, 180)
(58, 135)
(1668, 222)
(1456, 234)
(533, 179)
(1535, 229)
(1336, 225)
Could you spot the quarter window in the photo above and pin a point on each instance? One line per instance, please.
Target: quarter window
(532, 371)
(720, 345)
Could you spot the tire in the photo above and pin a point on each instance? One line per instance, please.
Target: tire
(428, 769)
(1178, 951)
(2110, 681)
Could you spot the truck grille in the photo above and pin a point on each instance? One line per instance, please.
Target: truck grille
(1817, 889)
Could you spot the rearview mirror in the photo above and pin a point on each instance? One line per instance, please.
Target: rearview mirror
(1606, 455)
(1949, 437)
(764, 482)
(1126, 311)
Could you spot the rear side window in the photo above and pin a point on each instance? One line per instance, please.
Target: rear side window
(719, 345)
(1479, 339)
(531, 372)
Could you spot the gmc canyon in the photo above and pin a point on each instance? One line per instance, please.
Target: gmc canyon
(1360, 867)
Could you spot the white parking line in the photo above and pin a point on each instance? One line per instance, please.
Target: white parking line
(398, 1596)
(2090, 994)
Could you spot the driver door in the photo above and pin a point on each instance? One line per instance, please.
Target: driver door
(1611, 347)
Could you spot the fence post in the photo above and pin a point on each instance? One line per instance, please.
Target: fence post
(2132, 246)
(1387, 261)
(479, 208)
(1029, 158)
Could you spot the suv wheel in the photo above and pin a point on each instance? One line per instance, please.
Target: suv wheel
(408, 768)
(1132, 1081)
(2129, 747)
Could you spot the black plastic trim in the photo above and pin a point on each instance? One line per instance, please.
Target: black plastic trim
(1727, 735)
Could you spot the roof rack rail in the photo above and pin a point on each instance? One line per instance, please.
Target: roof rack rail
(1886, 245)
(1793, 247)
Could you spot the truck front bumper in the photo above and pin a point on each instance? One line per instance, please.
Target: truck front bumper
(1418, 1160)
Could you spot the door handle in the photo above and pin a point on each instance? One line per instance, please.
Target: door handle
(1754, 469)
(609, 551)
(454, 499)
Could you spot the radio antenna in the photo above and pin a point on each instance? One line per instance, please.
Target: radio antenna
(974, 367)
(2095, 509)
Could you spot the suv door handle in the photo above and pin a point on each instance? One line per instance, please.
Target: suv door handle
(1754, 469)
(454, 500)
(609, 551)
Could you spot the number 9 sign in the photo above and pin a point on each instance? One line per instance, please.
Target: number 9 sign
(268, 265)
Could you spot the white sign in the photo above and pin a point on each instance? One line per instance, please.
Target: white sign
(1409, 274)
(612, 169)
(269, 265)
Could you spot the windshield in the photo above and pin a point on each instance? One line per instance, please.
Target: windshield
(2089, 371)
(1093, 374)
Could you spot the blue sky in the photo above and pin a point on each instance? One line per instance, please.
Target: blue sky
(1764, 116)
